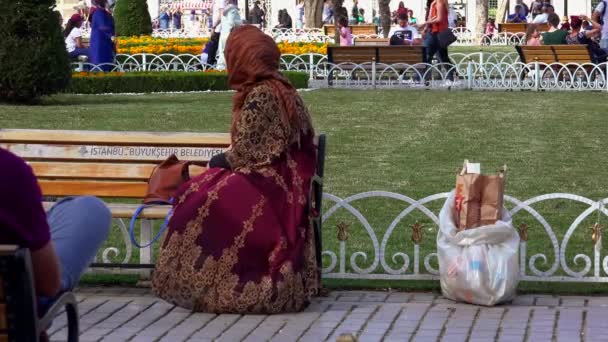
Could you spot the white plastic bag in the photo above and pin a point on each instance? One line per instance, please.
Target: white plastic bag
(480, 265)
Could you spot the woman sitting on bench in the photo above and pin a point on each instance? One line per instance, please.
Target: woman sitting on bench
(73, 37)
(240, 239)
(62, 243)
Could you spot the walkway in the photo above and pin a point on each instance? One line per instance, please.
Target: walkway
(118, 314)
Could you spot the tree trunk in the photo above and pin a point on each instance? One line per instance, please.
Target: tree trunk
(313, 13)
(338, 14)
(501, 11)
(482, 16)
(385, 16)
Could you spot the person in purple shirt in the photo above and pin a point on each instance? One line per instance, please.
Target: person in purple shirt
(62, 243)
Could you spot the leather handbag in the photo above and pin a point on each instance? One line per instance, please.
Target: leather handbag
(165, 180)
(446, 38)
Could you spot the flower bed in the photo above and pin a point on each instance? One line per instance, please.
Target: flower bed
(152, 82)
(194, 46)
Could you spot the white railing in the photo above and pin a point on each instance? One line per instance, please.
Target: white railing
(475, 71)
(468, 75)
(465, 37)
(383, 253)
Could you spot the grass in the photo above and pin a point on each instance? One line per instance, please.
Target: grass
(408, 142)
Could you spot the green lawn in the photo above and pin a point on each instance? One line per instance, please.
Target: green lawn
(409, 142)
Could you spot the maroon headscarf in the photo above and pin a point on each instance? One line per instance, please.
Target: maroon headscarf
(252, 57)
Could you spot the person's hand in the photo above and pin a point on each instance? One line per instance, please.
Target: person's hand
(584, 18)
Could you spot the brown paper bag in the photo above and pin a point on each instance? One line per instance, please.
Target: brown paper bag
(479, 198)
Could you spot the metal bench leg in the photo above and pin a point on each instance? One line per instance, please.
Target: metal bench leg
(145, 254)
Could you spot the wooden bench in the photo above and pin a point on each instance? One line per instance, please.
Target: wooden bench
(18, 302)
(519, 27)
(564, 54)
(371, 41)
(114, 165)
(330, 30)
(354, 56)
(111, 165)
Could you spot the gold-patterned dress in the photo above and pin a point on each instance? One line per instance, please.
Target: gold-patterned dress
(241, 240)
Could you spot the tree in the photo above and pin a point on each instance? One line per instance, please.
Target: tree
(501, 11)
(385, 16)
(313, 12)
(481, 10)
(33, 57)
(132, 18)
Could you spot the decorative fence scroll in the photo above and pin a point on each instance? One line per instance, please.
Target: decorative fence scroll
(388, 257)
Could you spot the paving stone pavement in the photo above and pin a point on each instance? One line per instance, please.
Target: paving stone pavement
(121, 314)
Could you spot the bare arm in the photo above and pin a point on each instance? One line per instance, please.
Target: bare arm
(219, 20)
(46, 271)
(441, 9)
(79, 43)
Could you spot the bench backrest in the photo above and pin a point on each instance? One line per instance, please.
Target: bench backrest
(351, 54)
(330, 30)
(18, 318)
(401, 54)
(381, 54)
(371, 41)
(555, 54)
(106, 164)
(541, 54)
(578, 54)
(520, 27)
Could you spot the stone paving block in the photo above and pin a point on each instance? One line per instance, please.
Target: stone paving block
(423, 298)
(298, 324)
(216, 327)
(187, 327)
(399, 297)
(374, 297)
(525, 300)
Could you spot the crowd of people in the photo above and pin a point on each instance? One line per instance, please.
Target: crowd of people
(540, 16)
(101, 50)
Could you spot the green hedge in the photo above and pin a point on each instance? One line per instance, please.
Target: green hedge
(166, 81)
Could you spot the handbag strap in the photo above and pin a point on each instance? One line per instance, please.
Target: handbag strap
(160, 231)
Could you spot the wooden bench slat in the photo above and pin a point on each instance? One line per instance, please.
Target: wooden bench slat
(109, 171)
(114, 138)
(111, 153)
(120, 210)
(94, 188)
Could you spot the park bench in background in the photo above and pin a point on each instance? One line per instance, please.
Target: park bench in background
(330, 30)
(548, 54)
(116, 165)
(18, 304)
(371, 41)
(352, 57)
(519, 27)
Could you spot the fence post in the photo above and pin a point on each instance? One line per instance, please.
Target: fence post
(606, 75)
(143, 62)
(469, 76)
(481, 58)
(311, 65)
(536, 75)
(374, 72)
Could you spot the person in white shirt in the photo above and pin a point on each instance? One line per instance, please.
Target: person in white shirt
(600, 15)
(73, 37)
(218, 12)
(543, 18)
(404, 34)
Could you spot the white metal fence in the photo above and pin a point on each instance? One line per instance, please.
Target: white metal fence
(384, 253)
(483, 71)
(465, 36)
